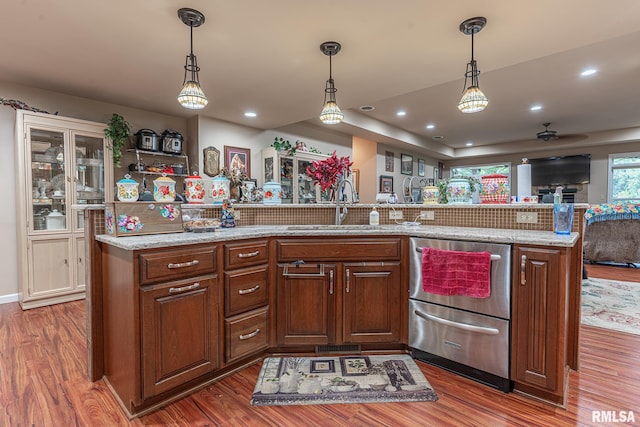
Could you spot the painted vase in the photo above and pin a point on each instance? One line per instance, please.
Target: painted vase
(430, 195)
(272, 193)
(127, 189)
(220, 189)
(495, 189)
(458, 191)
(164, 189)
(194, 188)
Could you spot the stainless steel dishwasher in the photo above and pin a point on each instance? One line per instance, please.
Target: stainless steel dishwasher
(466, 335)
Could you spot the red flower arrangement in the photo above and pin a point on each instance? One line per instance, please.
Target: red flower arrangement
(325, 173)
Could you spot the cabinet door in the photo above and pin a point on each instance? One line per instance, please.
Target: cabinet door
(179, 333)
(371, 295)
(306, 304)
(90, 177)
(50, 267)
(538, 330)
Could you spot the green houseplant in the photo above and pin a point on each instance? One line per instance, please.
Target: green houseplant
(117, 131)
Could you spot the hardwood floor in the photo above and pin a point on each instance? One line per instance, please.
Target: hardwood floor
(43, 382)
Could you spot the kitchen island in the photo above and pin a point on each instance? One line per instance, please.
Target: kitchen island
(143, 282)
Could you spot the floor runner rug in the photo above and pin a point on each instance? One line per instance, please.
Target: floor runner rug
(340, 379)
(611, 304)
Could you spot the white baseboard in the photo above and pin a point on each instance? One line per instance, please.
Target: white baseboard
(5, 299)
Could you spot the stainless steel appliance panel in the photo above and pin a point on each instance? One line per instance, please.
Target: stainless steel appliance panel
(498, 304)
(475, 340)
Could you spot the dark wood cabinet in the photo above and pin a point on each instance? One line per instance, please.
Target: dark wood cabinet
(539, 335)
(306, 304)
(179, 333)
(372, 304)
(246, 298)
(347, 291)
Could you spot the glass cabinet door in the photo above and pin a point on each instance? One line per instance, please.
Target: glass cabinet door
(286, 179)
(49, 206)
(307, 191)
(89, 172)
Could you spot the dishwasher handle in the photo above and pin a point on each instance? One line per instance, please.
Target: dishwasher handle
(494, 257)
(464, 326)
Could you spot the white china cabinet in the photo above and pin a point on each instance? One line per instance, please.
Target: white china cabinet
(291, 173)
(60, 162)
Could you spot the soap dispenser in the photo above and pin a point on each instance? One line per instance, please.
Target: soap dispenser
(374, 217)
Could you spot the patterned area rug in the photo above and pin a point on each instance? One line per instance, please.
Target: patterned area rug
(611, 304)
(343, 379)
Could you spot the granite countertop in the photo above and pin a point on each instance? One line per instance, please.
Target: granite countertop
(509, 236)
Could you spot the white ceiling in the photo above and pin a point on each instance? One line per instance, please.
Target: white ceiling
(264, 56)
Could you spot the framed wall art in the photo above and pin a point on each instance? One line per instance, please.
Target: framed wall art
(386, 184)
(388, 161)
(420, 167)
(406, 164)
(237, 159)
(211, 161)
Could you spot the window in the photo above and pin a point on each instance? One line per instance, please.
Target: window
(480, 170)
(624, 178)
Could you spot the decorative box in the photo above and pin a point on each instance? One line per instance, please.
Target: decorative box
(137, 218)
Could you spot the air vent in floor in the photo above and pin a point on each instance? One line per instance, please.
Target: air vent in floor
(342, 348)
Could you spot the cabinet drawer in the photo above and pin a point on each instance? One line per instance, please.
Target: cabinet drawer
(245, 289)
(339, 249)
(238, 255)
(246, 334)
(174, 264)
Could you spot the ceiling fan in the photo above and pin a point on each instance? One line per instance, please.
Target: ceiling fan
(546, 134)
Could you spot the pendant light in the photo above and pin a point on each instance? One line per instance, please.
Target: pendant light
(473, 100)
(191, 96)
(331, 113)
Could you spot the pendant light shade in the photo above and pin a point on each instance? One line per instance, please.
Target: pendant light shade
(191, 96)
(331, 113)
(473, 100)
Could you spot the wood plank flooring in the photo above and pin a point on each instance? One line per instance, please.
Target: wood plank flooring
(43, 382)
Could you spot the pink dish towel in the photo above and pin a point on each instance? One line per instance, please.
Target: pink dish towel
(456, 273)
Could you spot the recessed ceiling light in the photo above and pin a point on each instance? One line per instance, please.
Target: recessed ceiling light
(401, 113)
(469, 144)
(536, 108)
(367, 108)
(430, 126)
(250, 114)
(588, 72)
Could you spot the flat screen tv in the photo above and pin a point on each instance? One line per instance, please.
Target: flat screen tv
(562, 170)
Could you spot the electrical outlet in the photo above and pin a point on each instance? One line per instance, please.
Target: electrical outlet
(395, 214)
(527, 217)
(236, 214)
(428, 215)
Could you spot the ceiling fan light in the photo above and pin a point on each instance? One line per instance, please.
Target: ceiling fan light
(331, 113)
(192, 97)
(473, 100)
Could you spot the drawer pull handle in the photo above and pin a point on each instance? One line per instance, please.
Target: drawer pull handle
(249, 254)
(248, 291)
(183, 264)
(249, 335)
(287, 274)
(463, 326)
(184, 288)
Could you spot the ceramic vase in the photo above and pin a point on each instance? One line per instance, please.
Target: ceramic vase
(220, 189)
(458, 191)
(495, 189)
(430, 195)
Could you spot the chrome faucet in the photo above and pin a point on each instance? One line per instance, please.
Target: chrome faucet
(341, 202)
